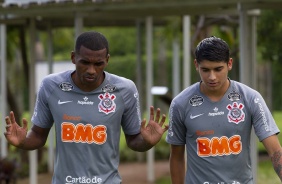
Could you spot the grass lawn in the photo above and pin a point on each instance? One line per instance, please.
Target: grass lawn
(266, 173)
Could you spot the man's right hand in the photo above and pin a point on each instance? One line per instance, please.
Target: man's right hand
(15, 134)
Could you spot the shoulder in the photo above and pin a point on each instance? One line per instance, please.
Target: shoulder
(190, 95)
(61, 76)
(119, 82)
(61, 79)
(188, 92)
(247, 94)
(124, 87)
(243, 88)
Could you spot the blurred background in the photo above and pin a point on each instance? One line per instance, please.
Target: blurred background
(151, 43)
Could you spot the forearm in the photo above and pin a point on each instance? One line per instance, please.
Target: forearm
(177, 171)
(276, 159)
(137, 143)
(32, 141)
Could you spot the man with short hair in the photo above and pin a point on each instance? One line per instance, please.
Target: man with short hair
(213, 119)
(88, 106)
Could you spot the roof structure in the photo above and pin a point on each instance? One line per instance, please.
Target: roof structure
(60, 13)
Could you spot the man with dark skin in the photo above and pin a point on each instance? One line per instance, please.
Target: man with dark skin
(88, 107)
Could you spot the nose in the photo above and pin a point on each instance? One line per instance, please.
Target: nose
(91, 69)
(212, 75)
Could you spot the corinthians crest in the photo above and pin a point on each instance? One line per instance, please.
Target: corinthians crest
(235, 114)
(107, 104)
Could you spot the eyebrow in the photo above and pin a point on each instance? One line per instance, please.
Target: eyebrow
(202, 67)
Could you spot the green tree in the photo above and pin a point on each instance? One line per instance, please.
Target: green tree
(269, 38)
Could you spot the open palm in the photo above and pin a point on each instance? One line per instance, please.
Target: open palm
(15, 134)
(153, 131)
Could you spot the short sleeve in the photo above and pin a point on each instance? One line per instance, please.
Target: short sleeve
(177, 129)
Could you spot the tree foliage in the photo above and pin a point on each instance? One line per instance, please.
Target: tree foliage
(269, 38)
(270, 35)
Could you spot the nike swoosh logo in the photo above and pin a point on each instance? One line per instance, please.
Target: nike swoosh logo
(63, 102)
(193, 117)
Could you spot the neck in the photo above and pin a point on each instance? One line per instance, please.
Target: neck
(215, 95)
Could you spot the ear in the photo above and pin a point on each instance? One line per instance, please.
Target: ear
(73, 57)
(108, 58)
(196, 64)
(230, 63)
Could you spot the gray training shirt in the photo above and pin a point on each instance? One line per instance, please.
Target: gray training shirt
(88, 126)
(217, 134)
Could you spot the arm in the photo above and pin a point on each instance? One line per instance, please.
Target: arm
(177, 164)
(21, 138)
(150, 134)
(274, 150)
(137, 143)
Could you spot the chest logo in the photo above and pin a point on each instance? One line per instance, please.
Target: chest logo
(235, 114)
(107, 104)
(195, 116)
(219, 146)
(196, 100)
(63, 102)
(66, 86)
(108, 88)
(234, 96)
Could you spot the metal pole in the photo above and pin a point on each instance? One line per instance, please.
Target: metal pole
(149, 80)
(3, 98)
(247, 68)
(186, 51)
(32, 154)
(139, 60)
(139, 78)
(78, 23)
(52, 131)
(175, 68)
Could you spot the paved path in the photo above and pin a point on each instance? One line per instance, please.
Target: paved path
(131, 173)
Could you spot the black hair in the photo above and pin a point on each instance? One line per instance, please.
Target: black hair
(212, 49)
(92, 40)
